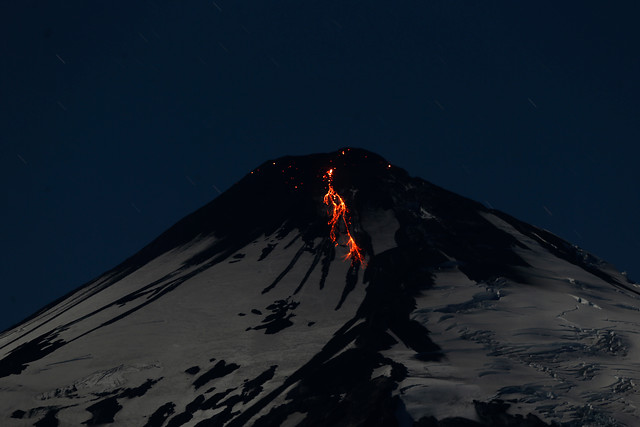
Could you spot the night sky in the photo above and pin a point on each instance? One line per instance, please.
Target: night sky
(118, 118)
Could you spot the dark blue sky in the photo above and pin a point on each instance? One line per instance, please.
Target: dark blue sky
(118, 118)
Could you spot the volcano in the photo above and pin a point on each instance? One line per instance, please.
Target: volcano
(335, 290)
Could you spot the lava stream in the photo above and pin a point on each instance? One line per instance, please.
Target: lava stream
(340, 212)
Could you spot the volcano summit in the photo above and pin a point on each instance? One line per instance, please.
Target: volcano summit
(335, 290)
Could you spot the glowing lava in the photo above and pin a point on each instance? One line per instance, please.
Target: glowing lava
(339, 213)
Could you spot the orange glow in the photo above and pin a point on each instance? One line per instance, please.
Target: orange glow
(339, 213)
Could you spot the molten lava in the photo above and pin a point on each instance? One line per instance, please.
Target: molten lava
(339, 213)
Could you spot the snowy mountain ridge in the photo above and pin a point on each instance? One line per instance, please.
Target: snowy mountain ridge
(246, 312)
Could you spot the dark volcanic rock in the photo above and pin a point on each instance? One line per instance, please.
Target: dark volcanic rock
(103, 411)
(219, 370)
(161, 414)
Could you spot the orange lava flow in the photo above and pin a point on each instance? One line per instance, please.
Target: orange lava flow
(339, 213)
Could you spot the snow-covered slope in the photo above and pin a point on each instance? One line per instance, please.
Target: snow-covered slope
(246, 313)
